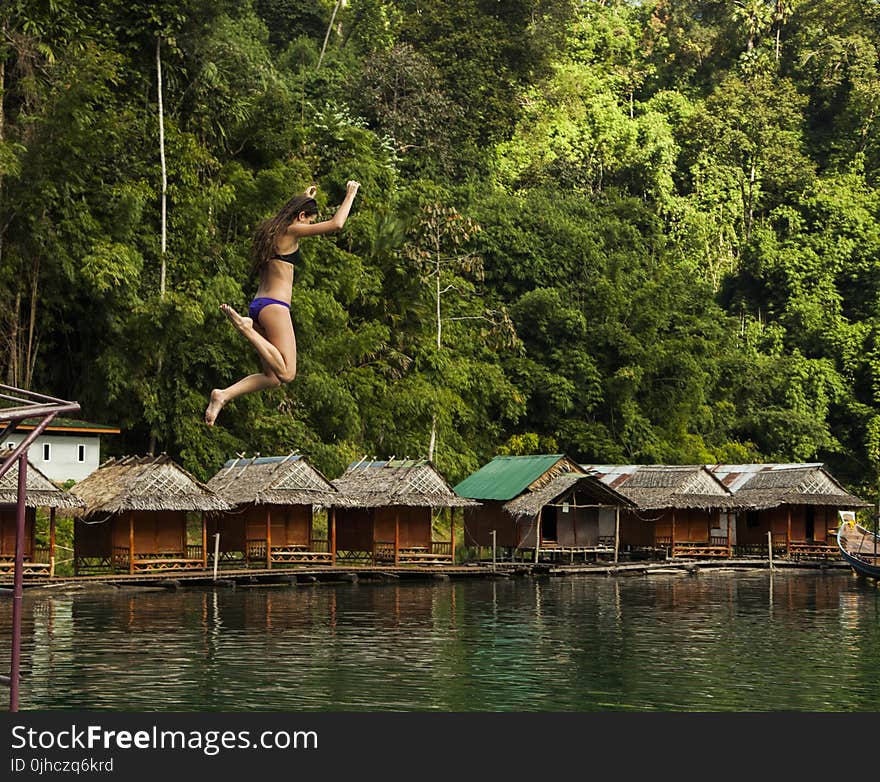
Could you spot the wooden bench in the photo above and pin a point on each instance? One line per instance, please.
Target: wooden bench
(702, 550)
(813, 550)
(423, 557)
(298, 553)
(161, 564)
(36, 569)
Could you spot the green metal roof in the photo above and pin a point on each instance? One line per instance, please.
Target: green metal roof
(506, 477)
(69, 424)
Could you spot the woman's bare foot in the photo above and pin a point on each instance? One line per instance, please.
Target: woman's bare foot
(240, 322)
(215, 406)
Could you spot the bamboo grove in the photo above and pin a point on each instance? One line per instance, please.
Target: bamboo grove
(629, 232)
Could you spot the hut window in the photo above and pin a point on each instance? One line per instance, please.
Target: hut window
(47, 452)
(752, 519)
(80, 453)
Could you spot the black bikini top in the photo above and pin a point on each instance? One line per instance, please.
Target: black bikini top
(291, 258)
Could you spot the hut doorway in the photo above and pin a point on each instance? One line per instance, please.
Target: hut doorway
(548, 525)
(809, 522)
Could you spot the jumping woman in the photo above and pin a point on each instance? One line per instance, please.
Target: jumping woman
(269, 327)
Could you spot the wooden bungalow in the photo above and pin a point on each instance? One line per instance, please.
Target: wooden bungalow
(385, 513)
(39, 561)
(135, 517)
(271, 522)
(572, 514)
(543, 502)
(796, 503)
(680, 510)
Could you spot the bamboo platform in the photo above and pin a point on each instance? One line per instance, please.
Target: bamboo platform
(306, 574)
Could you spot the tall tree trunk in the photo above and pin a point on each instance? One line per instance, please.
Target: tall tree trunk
(164, 233)
(433, 441)
(329, 28)
(162, 159)
(31, 354)
(12, 371)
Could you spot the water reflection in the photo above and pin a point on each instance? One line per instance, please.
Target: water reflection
(715, 641)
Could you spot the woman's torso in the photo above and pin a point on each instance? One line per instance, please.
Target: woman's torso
(276, 276)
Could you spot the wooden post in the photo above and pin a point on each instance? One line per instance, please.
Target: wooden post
(131, 542)
(452, 534)
(729, 541)
(268, 537)
(311, 524)
(396, 535)
(331, 537)
(788, 534)
(770, 547)
(217, 552)
(204, 542)
(494, 540)
(51, 542)
(538, 537)
(616, 532)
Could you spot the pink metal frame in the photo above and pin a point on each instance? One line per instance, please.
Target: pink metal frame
(24, 405)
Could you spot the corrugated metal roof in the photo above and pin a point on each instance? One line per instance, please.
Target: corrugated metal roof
(506, 477)
(613, 474)
(242, 461)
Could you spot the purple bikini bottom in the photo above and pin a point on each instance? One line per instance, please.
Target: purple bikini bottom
(256, 307)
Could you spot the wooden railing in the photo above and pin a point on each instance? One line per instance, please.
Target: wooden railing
(698, 549)
(255, 549)
(41, 555)
(441, 548)
(121, 556)
(320, 545)
(193, 550)
(383, 551)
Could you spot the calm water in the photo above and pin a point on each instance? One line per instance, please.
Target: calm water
(714, 641)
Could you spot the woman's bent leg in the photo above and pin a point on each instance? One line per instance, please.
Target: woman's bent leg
(276, 325)
(275, 354)
(247, 385)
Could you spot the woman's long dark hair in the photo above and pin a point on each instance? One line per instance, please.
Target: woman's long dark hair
(263, 247)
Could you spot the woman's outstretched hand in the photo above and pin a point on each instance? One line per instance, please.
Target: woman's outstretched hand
(352, 187)
(311, 191)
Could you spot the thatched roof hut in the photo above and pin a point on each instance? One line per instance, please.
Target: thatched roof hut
(407, 482)
(145, 483)
(763, 486)
(655, 486)
(272, 480)
(41, 492)
(530, 503)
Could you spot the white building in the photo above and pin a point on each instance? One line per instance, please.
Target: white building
(66, 449)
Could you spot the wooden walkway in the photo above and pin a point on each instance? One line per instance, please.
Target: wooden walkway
(305, 574)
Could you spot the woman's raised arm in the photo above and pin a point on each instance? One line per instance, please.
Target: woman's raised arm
(335, 223)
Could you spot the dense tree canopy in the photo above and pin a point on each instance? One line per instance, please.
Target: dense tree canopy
(642, 232)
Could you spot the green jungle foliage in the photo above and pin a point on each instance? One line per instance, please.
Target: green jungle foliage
(653, 228)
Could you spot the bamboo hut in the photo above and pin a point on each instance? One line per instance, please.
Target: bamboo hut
(271, 520)
(40, 493)
(572, 514)
(680, 510)
(796, 504)
(135, 517)
(530, 504)
(385, 512)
